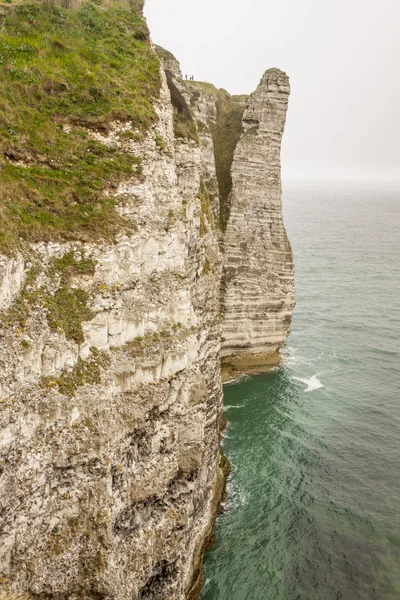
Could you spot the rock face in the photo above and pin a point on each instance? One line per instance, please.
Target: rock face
(110, 443)
(110, 384)
(258, 279)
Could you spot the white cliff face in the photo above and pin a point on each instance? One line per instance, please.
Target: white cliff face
(110, 412)
(204, 110)
(258, 279)
(109, 444)
(12, 278)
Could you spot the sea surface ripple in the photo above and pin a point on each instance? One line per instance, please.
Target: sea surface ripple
(313, 509)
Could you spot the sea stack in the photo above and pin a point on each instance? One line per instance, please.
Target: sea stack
(258, 293)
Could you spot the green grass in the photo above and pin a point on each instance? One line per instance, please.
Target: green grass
(164, 54)
(64, 73)
(84, 372)
(203, 86)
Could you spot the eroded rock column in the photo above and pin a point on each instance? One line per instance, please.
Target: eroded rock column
(258, 281)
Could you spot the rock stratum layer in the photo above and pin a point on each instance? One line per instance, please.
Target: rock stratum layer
(258, 282)
(110, 303)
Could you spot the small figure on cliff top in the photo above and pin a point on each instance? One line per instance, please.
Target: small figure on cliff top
(185, 76)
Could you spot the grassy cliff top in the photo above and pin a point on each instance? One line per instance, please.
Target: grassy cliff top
(164, 54)
(64, 72)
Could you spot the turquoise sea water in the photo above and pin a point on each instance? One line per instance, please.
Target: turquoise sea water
(313, 511)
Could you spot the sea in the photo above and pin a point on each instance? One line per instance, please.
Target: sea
(313, 504)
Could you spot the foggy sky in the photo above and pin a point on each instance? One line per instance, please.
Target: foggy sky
(342, 58)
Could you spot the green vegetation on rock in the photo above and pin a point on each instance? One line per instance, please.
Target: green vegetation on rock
(68, 307)
(66, 74)
(68, 266)
(164, 54)
(19, 310)
(206, 214)
(84, 372)
(66, 310)
(142, 345)
(226, 133)
(202, 86)
(184, 124)
(207, 268)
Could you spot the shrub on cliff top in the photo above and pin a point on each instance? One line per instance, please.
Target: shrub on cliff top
(62, 74)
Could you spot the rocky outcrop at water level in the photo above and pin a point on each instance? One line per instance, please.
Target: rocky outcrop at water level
(127, 195)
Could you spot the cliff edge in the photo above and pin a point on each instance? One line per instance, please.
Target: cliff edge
(117, 182)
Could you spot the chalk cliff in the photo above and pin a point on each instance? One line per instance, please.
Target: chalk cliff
(110, 303)
(258, 283)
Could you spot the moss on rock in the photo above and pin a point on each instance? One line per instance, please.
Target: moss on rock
(18, 312)
(226, 133)
(66, 310)
(68, 265)
(84, 372)
(206, 214)
(68, 307)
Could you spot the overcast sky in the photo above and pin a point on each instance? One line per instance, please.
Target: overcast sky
(342, 57)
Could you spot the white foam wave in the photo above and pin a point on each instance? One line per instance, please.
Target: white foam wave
(312, 383)
(229, 406)
(292, 357)
(236, 497)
